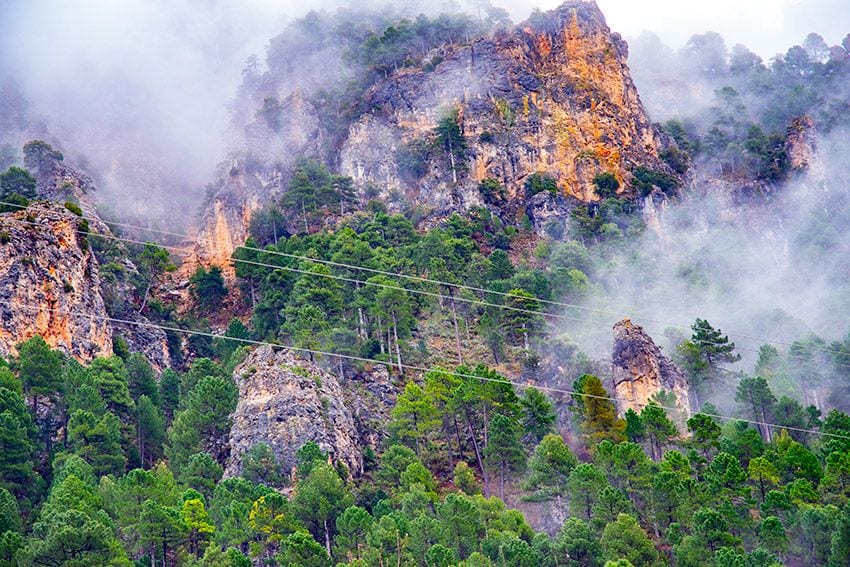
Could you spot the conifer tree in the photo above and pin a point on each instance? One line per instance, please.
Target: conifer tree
(504, 452)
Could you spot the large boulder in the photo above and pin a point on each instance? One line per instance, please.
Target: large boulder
(641, 370)
(286, 401)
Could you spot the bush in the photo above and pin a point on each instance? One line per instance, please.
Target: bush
(15, 202)
(208, 287)
(492, 190)
(17, 181)
(606, 185)
(538, 182)
(74, 208)
(645, 179)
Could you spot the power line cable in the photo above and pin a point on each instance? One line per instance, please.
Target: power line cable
(423, 292)
(459, 286)
(422, 369)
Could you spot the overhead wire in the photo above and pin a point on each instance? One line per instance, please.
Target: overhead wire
(505, 381)
(421, 292)
(450, 284)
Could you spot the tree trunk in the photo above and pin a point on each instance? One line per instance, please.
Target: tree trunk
(361, 323)
(327, 538)
(502, 481)
(145, 297)
(457, 330)
(452, 161)
(397, 348)
(449, 450)
(478, 455)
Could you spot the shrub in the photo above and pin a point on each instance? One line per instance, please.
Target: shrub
(538, 182)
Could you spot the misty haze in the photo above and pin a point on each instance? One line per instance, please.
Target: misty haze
(466, 283)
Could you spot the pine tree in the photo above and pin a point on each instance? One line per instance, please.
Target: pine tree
(538, 414)
(150, 431)
(16, 447)
(755, 395)
(140, 378)
(98, 441)
(414, 416)
(551, 466)
(169, 393)
(714, 347)
(599, 415)
(504, 451)
(39, 369)
(319, 499)
(658, 428)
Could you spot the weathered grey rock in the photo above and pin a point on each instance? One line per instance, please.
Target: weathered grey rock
(286, 401)
(49, 283)
(801, 143)
(548, 212)
(641, 370)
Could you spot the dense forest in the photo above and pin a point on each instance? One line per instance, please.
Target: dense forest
(505, 442)
(136, 475)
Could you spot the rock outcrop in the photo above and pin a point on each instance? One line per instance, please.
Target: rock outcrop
(552, 95)
(286, 401)
(801, 143)
(49, 283)
(641, 370)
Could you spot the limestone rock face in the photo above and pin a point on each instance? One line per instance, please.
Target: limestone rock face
(801, 143)
(49, 283)
(552, 95)
(61, 181)
(286, 401)
(641, 370)
(224, 224)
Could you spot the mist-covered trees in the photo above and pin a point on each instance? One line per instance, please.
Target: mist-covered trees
(17, 181)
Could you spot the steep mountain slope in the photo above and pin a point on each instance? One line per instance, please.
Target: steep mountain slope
(49, 283)
(551, 96)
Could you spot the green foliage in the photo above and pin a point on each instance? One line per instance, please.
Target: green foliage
(17, 433)
(606, 185)
(504, 452)
(40, 156)
(260, 465)
(551, 465)
(624, 539)
(645, 179)
(492, 190)
(201, 473)
(17, 181)
(319, 499)
(204, 422)
(598, 414)
(538, 414)
(208, 287)
(539, 182)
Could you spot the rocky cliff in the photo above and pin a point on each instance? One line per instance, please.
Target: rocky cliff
(49, 283)
(641, 370)
(286, 401)
(552, 95)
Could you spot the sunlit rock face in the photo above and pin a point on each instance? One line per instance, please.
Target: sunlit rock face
(49, 283)
(552, 95)
(641, 370)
